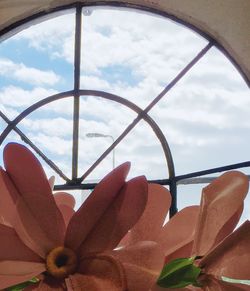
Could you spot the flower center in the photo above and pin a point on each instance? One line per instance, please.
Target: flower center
(61, 262)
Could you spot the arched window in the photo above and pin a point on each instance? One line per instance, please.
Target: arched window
(90, 87)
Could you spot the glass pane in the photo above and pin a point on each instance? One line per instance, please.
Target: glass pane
(206, 116)
(101, 123)
(133, 54)
(191, 195)
(50, 129)
(36, 63)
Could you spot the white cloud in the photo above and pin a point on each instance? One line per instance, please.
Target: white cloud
(13, 96)
(96, 82)
(59, 127)
(33, 76)
(51, 36)
(8, 112)
(53, 144)
(113, 39)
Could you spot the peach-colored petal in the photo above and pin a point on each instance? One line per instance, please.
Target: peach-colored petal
(179, 230)
(4, 222)
(219, 203)
(30, 180)
(102, 268)
(12, 248)
(150, 224)
(229, 226)
(65, 199)
(8, 196)
(67, 212)
(25, 170)
(80, 282)
(94, 206)
(29, 230)
(182, 252)
(66, 203)
(122, 214)
(142, 263)
(231, 257)
(15, 272)
(212, 284)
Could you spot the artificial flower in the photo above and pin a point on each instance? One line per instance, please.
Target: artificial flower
(220, 251)
(65, 202)
(175, 236)
(83, 254)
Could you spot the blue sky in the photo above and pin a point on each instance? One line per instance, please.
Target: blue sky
(205, 118)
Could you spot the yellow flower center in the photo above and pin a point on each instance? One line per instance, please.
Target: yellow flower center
(61, 262)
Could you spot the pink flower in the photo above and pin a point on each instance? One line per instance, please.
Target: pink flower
(66, 203)
(176, 236)
(223, 253)
(81, 255)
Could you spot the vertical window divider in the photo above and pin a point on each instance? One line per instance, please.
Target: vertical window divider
(76, 112)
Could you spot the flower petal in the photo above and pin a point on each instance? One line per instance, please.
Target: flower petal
(122, 214)
(66, 203)
(102, 268)
(231, 257)
(80, 282)
(30, 180)
(67, 213)
(219, 201)
(65, 199)
(179, 230)
(230, 225)
(8, 196)
(181, 252)
(84, 220)
(15, 272)
(142, 263)
(29, 230)
(12, 248)
(150, 224)
(119, 217)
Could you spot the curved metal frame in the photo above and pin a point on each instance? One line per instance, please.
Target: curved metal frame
(75, 182)
(12, 125)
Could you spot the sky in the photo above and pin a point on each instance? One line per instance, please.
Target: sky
(205, 117)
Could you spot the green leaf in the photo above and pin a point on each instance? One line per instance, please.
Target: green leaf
(179, 273)
(21, 286)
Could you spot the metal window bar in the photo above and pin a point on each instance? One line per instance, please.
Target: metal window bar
(77, 68)
(190, 178)
(76, 183)
(148, 108)
(35, 148)
(12, 125)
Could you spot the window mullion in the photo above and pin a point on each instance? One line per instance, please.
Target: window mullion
(77, 64)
